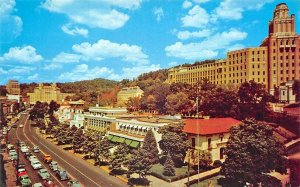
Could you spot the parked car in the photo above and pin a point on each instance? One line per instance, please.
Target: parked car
(21, 165)
(20, 170)
(49, 183)
(24, 181)
(53, 166)
(28, 154)
(62, 175)
(47, 158)
(22, 173)
(21, 125)
(10, 146)
(13, 156)
(44, 174)
(36, 164)
(73, 183)
(36, 149)
(37, 185)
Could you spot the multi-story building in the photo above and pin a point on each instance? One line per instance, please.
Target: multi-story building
(286, 93)
(101, 118)
(71, 113)
(13, 87)
(276, 61)
(47, 93)
(283, 47)
(128, 92)
(132, 130)
(208, 135)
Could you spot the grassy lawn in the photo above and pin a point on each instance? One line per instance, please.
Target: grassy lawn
(213, 181)
(158, 170)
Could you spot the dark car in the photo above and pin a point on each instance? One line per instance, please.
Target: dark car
(28, 154)
(62, 175)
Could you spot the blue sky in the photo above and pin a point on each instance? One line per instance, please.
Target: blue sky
(70, 40)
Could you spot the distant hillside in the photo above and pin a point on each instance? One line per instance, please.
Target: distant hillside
(95, 85)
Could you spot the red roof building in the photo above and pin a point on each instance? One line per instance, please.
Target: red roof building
(209, 126)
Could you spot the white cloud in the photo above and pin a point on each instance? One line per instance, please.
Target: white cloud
(21, 70)
(107, 49)
(172, 64)
(159, 13)
(26, 54)
(134, 72)
(197, 17)
(184, 35)
(66, 58)
(2, 71)
(201, 1)
(208, 48)
(62, 58)
(187, 4)
(233, 9)
(83, 72)
(104, 14)
(33, 77)
(74, 31)
(11, 25)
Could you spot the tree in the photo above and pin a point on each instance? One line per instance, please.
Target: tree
(104, 147)
(220, 102)
(150, 148)
(77, 140)
(38, 112)
(174, 142)
(119, 157)
(252, 152)
(133, 104)
(204, 157)
(296, 90)
(139, 163)
(53, 106)
(169, 167)
(2, 119)
(178, 103)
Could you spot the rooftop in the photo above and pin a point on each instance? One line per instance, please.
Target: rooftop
(209, 126)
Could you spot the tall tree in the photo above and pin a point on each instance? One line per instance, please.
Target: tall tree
(119, 157)
(169, 167)
(133, 104)
(2, 118)
(178, 103)
(53, 106)
(104, 147)
(174, 142)
(252, 152)
(150, 148)
(139, 164)
(39, 110)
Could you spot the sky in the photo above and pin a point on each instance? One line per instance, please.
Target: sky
(72, 40)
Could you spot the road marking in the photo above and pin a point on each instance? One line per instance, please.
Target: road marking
(65, 161)
(35, 154)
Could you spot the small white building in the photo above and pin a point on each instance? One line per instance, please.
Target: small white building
(209, 135)
(286, 94)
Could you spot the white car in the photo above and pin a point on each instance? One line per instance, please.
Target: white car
(36, 164)
(24, 149)
(21, 125)
(37, 185)
(36, 149)
(32, 158)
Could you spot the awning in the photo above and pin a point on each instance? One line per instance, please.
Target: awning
(121, 140)
(110, 137)
(134, 144)
(114, 139)
(128, 141)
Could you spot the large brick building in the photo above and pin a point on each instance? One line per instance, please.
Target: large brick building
(276, 61)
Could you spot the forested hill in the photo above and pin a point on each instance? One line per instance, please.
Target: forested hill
(95, 85)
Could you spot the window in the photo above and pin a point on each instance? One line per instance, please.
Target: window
(221, 137)
(209, 143)
(222, 153)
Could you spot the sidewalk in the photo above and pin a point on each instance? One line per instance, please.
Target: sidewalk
(10, 171)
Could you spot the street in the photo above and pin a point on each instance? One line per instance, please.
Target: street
(77, 168)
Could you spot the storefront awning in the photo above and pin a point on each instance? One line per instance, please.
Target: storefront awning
(110, 137)
(128, 142)
(134, 144)
(121, 140)
(114, 139)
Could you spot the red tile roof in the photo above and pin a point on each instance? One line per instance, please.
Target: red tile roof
(209, 126)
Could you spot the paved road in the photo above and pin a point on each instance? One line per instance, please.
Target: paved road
(89, 176)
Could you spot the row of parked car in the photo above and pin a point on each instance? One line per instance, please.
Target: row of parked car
(35, 163)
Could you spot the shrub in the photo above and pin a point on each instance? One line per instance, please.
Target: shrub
(217, 163)
(139, 181)
(169, 167)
